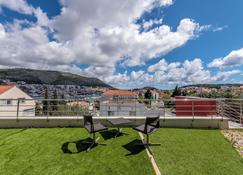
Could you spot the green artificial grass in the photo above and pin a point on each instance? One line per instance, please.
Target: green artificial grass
(59, 151)
(195, 152)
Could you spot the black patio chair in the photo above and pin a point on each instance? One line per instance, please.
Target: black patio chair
(92, 128)
(151, 124)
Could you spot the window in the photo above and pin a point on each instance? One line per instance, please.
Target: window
(9, 102)
(21, 100)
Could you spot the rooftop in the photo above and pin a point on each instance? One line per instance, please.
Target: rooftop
(60, 151)
(119, 92)
(4, 88)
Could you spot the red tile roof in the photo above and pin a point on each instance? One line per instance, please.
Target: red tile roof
(119, 92)
(4, 88)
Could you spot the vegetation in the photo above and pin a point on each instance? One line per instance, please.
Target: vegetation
(217, 86)
(45, 102)
(31, 76)
(214, 94)
(195, 151)
(176, 92)
(148, 94)
(57, 107)
(60, 151)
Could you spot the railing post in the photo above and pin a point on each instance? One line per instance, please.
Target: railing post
(17, 114)
(164, 110)
(241, 112)
(48, 109)
(193, 113)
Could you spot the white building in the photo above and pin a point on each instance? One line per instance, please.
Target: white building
(14, 101)
(120, 103)
(112, 108)
(119, 95)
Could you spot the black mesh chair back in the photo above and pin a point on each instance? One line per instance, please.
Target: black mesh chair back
(92, 128)
(152, 121)
(151, 124)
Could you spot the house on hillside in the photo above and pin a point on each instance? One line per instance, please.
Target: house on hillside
(13, 100)
(119, 95)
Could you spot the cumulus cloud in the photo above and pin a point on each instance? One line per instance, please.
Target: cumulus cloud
(224, 75)
(234, 58)
(148, 24)
(102, 35)
(20, 6)
(186, 72)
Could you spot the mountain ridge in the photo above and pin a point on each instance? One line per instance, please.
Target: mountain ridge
(213, 85)
(51, 77)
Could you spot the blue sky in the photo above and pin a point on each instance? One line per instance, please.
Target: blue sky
(127, 44)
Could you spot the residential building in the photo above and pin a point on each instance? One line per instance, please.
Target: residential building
(119, 95)
(122, 108)
(121, 103)
(13, 102)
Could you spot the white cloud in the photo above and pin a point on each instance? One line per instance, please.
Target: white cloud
(111, 35)
(20, 6)
(234, 58)
(148, 24)
(217, 29)
(186, 72)
(2, 31)
(92, 34)
(223, 76)
(162, 65)
(101, 34)
(41, 16)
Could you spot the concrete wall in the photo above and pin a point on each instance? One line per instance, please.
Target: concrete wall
(173, 122)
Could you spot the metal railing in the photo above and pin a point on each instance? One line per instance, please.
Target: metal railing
(229, 108)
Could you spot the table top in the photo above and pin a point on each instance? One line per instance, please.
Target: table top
(118, 121)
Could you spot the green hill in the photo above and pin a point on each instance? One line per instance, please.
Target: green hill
(32, 76)
(213, 85)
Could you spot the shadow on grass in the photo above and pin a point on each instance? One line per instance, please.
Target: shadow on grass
(132, 148)
(81, 145)
(111, 134)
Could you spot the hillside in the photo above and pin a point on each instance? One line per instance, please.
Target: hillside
(212, 85)
(31, 76)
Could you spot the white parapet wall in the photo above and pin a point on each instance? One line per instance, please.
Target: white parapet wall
(68, 121)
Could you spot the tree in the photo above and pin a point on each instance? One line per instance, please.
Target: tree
(176, 92)
(45, 102)
(148, 94)
(38, 109)
(54, 102)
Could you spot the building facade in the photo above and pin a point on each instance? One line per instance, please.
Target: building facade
(14, 102)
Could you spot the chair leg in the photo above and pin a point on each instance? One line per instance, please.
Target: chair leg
(93, 142)
(151, 144)
(146, 143)
(119, 132)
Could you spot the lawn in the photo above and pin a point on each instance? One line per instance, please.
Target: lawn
(195, 151)
(59, 151)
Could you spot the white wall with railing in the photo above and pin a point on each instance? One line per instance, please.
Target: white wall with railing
(172, 110)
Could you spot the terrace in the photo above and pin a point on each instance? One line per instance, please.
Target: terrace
(51, 141)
